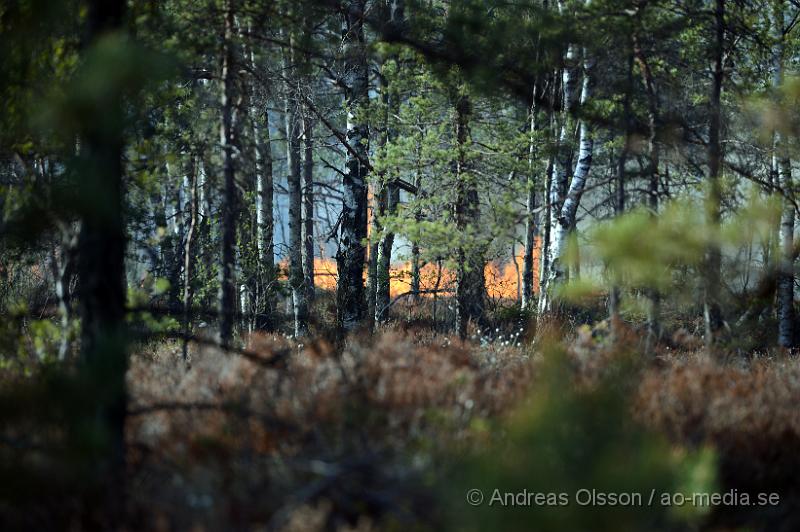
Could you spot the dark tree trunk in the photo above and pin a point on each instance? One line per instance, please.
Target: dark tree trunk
(653, 162)
(614, 299)
(188, 254)
(416, 263)
(227, 298)
(390, 194)
(384, 262)
(101, 264)
(266, 282)
(713, 310)
(293, 152)
(470, 282)
(353, 227)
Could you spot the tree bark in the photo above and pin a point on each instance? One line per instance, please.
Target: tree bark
(265, 282)
(228, 140)
(264, 218)
(170, 243)
(378, 208)
(653, 161)
(416, 263)
(391, 191)
(614, 298)
(188, 255)
(531, 217)
(353, 226)
(63, 269)
(712, 308)
(379, 205)
(384, 262)
(101, 264)
(550, 194)
(308, 208)
(293, 148)
(470, 281)
(558, 180)
(563, 218)
(782, 164)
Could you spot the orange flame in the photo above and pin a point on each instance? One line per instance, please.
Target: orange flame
(502, 277)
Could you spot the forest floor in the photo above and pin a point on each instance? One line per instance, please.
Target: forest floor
(352, 438)
(381, 431)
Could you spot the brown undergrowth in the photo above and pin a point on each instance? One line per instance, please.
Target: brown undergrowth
(224, 440)
(749, 414)
(306, 436)
(746, 409)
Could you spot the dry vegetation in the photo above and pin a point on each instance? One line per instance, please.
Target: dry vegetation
(748, 414)
(313, 436)
(353, 434)
(745, 408)
(352, 439)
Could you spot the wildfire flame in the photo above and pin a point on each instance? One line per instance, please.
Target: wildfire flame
(503, 278)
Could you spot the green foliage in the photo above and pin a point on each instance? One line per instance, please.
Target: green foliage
(567, 439)
(640, 250)
(139, 300)
(112, 69)
(38, 44)
(777, 110)
(45, 336)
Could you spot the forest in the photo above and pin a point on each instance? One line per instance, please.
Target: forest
(361, 265)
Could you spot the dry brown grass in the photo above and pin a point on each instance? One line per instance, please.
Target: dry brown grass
(342, 438)
(746, 409)
(225, 429)
(748, 414)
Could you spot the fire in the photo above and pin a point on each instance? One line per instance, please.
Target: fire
(503, 278)
(325, 273)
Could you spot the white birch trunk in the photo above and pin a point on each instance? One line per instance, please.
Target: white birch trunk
(351, 303)
(563, 218)
(203, 207)
(293, 141)
(308, 208)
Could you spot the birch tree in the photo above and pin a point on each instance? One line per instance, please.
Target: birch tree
(293, 124)
(308, 206)
(563, 214)
(783, 168)
(353, 223)
(259, 118)
(526, 292)
(539, 121)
